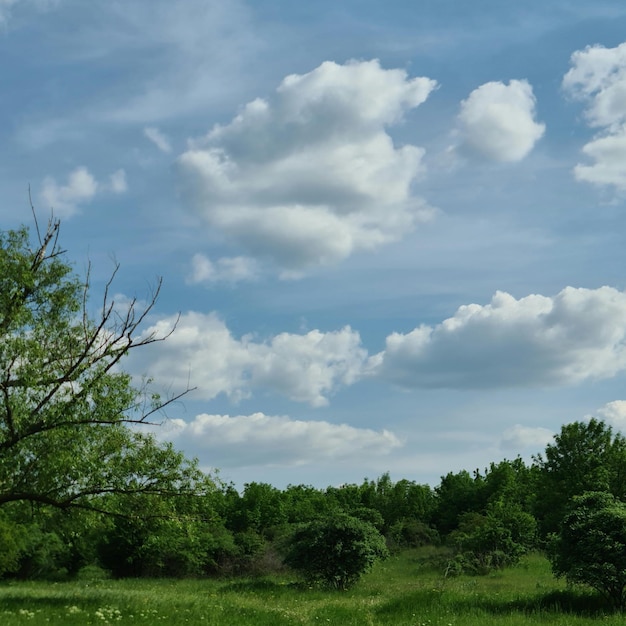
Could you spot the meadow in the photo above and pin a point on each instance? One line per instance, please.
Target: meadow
(401, 590)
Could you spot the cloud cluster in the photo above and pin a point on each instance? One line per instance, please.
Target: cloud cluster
(311, 175)
(520, 438)
(536, 341)
(260, 439)
(576, 335)
(614, 413)
(598, 78)
(497, 121)
(224, 270)
(81, 188)
(203, 353)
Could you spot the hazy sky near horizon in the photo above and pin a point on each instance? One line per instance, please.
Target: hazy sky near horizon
(394, 232)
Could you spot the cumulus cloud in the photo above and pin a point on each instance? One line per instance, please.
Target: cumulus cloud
(578, 334)
(158, 139)
(614, 413)
(203, 353)
(260, 439)
(598, 78)
(519, 438)
(225, 269)
(497, 121)
(81, 188)
(311, 175)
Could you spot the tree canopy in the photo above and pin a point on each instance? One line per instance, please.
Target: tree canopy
(66, 407)
(585, 456)
(591, 545)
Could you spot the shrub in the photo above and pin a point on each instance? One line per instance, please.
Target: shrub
(335, 551)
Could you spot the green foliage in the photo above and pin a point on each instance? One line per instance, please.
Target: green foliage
(12, 540)
(65, 406)
(335, 551)
(260, 509)
(411, 533)
(494, 540)
(458, 494)
(585, 456)
(591, 545)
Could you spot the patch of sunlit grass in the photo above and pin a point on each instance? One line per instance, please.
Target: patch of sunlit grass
(405, 590)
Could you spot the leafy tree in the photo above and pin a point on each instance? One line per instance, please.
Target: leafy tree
(457, 494)
(161, 536)
(260, 508)
(585, 456)
(65, 406)
(496, 539)
(335, 551)
(512, 482)
(303, 503)
(591, 546)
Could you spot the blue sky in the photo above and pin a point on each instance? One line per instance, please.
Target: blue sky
(394, 232)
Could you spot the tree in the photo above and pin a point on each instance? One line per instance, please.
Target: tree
(494, 540)
(66, 408)
(591, 546)
(585, 456)
(335, 551)
(457, 494)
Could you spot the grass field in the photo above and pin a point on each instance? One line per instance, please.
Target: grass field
(398, 591)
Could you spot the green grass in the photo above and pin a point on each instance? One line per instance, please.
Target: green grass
(400, 591)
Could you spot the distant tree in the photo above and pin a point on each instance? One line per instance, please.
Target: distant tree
(493, 540)
(260, 508)
(585, 456)
(335, 551)
(512, 482)
(590, 547)
(66, 407)
(455, 495)
(303, 503)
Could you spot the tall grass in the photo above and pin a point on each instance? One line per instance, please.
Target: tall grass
(403, 590)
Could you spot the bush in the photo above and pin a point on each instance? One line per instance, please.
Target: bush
(492, 541)
(411, 533)
(591, 546)
(335, 551)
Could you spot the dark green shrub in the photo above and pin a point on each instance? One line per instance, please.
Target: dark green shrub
(335, 551)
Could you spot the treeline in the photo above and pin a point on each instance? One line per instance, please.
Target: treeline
(485, 519)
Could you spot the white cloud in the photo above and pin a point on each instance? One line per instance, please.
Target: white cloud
(598, 78)
(520, 438)
(202, 352)
(311, 175)
(259, 439)
(225, 269)
(498, 121)
(158, 139)
(578, 334)
(81, 188)
(614, 413)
